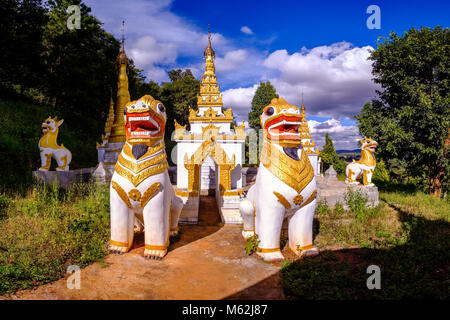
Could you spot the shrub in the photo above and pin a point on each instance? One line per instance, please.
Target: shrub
(50, 229)
(338, 209)
(251, 245)
(356, 203)
(322, 207)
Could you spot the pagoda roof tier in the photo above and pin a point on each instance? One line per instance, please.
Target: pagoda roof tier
(210, 115)
(209, 132)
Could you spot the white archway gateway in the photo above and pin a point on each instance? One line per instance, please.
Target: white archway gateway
(210, 137)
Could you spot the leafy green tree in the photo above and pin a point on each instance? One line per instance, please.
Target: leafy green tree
(21, 25)
(330, 157)
(178, 95)
(411, 116)
(263, 95)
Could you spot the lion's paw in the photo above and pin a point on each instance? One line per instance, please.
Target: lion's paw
(307, 253)
(271, 256)
(117, 249)
(154, 254)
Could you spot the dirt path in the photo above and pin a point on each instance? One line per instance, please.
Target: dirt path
(207, 262)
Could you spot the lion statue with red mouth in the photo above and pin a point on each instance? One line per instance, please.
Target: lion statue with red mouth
(285, 187)
(140, 186)
(365, 166)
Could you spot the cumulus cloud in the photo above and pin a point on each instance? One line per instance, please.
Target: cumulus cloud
(246, 30)
(147, 51)
(240, 100)
(335, 79)
(155, 36)
(231, 60)
(344, 137)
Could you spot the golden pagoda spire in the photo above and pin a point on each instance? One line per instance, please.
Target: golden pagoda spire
(303, 108)
(209, 90)
(123, 95)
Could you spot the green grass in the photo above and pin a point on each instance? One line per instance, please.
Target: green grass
(44, 232)
(407, 236)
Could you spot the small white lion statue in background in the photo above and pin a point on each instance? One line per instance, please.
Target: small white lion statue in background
(365, 166)
(49, 148)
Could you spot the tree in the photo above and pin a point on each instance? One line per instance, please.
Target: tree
(410, 118)
(330, 157)
(21, 42)
(263, 95)
(178, 95)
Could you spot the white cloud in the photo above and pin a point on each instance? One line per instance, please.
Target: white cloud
(344, 137)
(246, 30)
(240, 100)
(231, 60)
(155, 36)
(146, 50)
(335, 79)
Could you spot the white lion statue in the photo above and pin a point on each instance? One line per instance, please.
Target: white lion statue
(140, 185)
(365, 166)
(49, 148)
(285, 186)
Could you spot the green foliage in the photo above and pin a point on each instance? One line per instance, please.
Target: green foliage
(322, 207)
(251, 244)
(178, 95)
(381, 173)
(357, 203)
(408, 239)
(410, 119)
(330, 157)
(263, 95)
(338, 209)
(21, 42)
(50, 229)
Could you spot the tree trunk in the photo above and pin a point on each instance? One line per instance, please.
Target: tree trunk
(436, 176)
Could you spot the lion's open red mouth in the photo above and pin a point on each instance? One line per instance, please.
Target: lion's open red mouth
(284, 127)
(142, 125)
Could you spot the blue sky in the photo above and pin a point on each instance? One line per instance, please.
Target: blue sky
(320, 48)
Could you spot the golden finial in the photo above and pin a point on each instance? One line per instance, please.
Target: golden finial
(303, 106)
(209, 50)
(123, 59)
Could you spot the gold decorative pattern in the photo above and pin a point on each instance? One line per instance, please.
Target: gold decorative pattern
(127, 148)
(122, 194)
(307, 247)
(182, 193)
(295, 173)
(138, 167)
(350, 174)
(211, 116)
(282, 200)
(267, 250)
(225, 165)
(47, 161)
(298, 199)
(151, 247)
(134, 194)
(149, 193)
(310, 199)
(137, 179)
(118, 243)
(233, 192)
